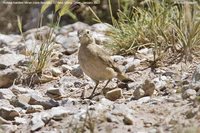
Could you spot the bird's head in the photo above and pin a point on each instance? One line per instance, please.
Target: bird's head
(85, 37)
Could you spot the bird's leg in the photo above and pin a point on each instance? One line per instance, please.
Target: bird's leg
(106, 84)
(91, 96)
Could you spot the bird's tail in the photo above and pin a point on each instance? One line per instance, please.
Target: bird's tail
(124, 78)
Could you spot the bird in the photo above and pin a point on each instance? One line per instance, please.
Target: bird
(96, 61)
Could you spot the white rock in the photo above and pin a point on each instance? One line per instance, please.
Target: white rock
(189, 93)
(19, 120)
(56, 71)
(101, 27)
(6, 94)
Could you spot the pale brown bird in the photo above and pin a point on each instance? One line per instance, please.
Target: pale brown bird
(96, 62)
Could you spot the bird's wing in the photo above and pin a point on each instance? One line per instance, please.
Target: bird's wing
(106, 59)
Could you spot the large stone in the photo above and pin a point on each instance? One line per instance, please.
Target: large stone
(77, 71)
(114, 94)
(41, 33)
(59, 113)
(39, 120)
(100, 38)
(131, 66)
(74, 27)
(3, 121)
(8, 113)
(46, 103)
(36, 122)
(20, 101)
(101, 27)
(54, 92)
(70, 44)
(7, 77)
(7, 38)
(10, 59)
(8, 128)
(6, 94)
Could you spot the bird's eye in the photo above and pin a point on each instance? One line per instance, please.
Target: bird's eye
(88, 32)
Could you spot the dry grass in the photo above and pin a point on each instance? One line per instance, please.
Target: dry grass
(39, 60)
(171, 29)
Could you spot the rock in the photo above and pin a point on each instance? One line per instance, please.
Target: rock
(138, 93)
(80, 26)
(191, 113)
(148, 88)
(5, 50)
(196, 74)
(3, 121)
(70, 44)
(8, 38)
(189, 93)
(67, 81)
(195, 86)
(36, 122)
(77, 71)
(38, 100)
(58, 113)
(8, 113)
(30, 45)
(101, 39)
(8, 128)
(6, 94)
(105, 102)
(7, 77)
(74, 27)
(21, 90)
(10, 59)
(114, 94)
(131, 66)
(128, 120)
(101, 27)
(143, 51)
(41, 34)
(54, 92)
(66, 68)
(34, 108)
(19, 120)
(159, 83)
(133, 85)
(5, 103)
(20, 101)
(56, 71)
(118, 58)
(128, 60)
(143, 100)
